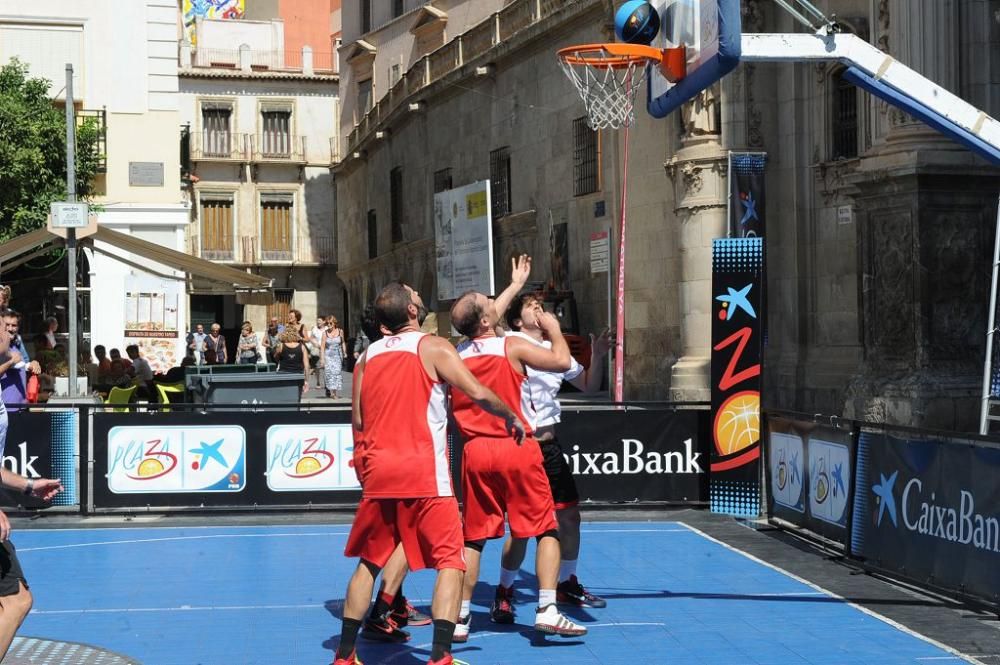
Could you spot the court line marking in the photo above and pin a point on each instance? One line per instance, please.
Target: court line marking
(864, 610)
(291, 526)
(42, 548)
(181, 608)
(176, 538)
(472, 636)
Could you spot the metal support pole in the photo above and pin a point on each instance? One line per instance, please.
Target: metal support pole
(984, 410)
(71, 233)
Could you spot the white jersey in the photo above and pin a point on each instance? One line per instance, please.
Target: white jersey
(544, 386)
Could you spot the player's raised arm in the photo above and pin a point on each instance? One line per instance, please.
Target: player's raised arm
(450, 369)
(520, 268)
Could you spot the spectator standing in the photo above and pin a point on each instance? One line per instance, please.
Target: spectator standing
(316, 341)
(272, 338)
(196, 344)
(248, 354)
(333, 353)
(51, 326)
(292, 356)
(295, 323)
(217, 343)
(14, 369)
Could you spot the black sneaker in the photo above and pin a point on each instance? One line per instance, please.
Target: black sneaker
(383, 629)
(405, 614)
(502, 610)
(571, 592)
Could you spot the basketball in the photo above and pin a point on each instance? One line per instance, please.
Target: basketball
(637, 22)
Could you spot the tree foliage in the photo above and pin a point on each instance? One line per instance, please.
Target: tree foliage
(33, 152)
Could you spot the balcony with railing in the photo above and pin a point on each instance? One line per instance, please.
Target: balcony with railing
(470, 46)
(299, 250)
(220, 147)
(279, 148)
(304, 61)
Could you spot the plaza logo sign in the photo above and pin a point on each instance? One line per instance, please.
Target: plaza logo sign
(144, 460)
(310, 458)
(927, 514)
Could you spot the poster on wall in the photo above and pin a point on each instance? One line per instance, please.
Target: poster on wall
(151, 320)
(737, 282)
(210, 9)
(463, 240)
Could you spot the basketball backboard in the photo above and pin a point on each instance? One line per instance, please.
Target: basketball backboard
(711, 31)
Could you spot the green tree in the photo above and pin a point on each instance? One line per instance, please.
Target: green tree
(33, 152)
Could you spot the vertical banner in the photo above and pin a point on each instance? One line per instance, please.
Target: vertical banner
(747, 194)
(463, 240)
(737, 283)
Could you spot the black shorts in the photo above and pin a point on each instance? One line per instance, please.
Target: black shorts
(564, 493)
(11, 575)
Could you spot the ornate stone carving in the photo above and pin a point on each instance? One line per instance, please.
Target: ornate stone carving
(955, 287)
(693, 180)
(883, 25)
(889, 283)
(701, 113)
(755, 135)
(752, 15)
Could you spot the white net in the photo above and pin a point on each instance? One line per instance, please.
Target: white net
(608, 86)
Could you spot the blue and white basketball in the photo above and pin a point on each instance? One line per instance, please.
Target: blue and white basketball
(637, 22)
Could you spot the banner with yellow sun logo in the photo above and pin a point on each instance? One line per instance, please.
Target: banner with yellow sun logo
(737, 285)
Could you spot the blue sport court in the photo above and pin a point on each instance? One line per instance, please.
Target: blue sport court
(273, 594)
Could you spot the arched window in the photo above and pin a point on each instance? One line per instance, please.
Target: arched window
(845, 118)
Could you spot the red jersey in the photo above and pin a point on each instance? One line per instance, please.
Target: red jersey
(487, 359)
(403, 451)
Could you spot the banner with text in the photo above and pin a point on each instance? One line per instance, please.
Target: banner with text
(809, 470)
(737, 284)
(463, 240)
(929, 509)
(43, 445)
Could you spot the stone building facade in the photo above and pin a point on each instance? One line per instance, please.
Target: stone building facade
(879, 230)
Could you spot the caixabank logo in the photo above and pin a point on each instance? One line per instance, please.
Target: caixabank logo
(933, 513)
(144, 460)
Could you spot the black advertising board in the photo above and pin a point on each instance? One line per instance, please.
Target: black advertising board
(737, 283)
(28, 452)
(809, 474)
(223, 459)
(747, 193)
(634, 455)
(929, 509)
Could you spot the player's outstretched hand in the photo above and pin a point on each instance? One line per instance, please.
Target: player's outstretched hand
(601, 344)
(516, 429)
(46, 488)
(520, 268)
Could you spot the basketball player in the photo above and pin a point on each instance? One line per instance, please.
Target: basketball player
(15, 599)
(499, 478)
(523, 320)
(400, 422)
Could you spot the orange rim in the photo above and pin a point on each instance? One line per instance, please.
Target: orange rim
(614, 55)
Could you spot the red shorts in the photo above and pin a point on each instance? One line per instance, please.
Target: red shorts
(501, 478)
(430, 530)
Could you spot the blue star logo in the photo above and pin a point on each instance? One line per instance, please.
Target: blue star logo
(794, 465)
(210, 451)
(749, 210)
(838, 477)
(738, 300)
(888, 502)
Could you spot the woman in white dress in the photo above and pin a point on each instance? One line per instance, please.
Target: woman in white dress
(333, 354)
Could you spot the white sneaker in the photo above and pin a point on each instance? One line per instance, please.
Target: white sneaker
(462, 629)
(550, 621)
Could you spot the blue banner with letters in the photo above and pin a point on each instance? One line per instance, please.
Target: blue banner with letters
(929, 509)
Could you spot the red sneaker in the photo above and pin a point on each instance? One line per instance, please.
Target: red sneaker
(502, 610)
(350, 660)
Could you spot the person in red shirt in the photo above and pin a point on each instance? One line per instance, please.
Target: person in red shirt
(400, 420)
(499, 478)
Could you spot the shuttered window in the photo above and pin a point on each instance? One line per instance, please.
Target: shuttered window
(845, 118)
(277, 133)
(586, 158)
(279, 308)
(216, 138)
(276, 227)
(217, 227)
(396, 203)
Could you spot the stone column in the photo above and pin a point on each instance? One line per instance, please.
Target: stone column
(698, 172)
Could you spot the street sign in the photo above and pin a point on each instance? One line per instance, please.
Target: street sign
(600, 252)
(67, 215)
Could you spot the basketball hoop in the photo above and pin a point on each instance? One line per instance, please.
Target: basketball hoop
(608, 77)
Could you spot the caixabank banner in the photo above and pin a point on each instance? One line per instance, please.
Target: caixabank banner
(737, 282)
(43, 445)
(302, 458)
(808, 470)
(929, 509)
